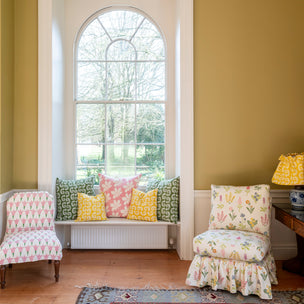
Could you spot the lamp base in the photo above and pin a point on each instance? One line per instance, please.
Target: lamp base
(296, 197)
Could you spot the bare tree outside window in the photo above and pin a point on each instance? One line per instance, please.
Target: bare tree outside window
(120, 95)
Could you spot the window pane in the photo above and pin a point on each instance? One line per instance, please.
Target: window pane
(120, 160)
(121, 81)
(120, 123)
(90, 155)
(93, 42)
(150, 156)
(90, 81)
(150, 173)
(121, 50)
(150, 123)
(83, 172)
(151, 81)
(90, 121)
(120, 24)
(148, 42)
(150, 162)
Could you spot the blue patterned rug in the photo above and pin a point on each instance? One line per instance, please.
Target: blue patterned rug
(108, 295)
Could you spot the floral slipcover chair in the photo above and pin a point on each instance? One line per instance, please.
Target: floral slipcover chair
(30, 234)
(235, 253)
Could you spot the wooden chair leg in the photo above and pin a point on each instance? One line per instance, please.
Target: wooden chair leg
(56, 266)
(10, 265)
(50, 261)
(2, 271)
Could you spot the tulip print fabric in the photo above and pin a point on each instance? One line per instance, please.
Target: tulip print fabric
(143, 206)
(91, 208)
(235, 254)
(232, 275)
(67, 196)
(167, 198)
(30, 235)
(240, 208)
(118, 192)
(236, 245)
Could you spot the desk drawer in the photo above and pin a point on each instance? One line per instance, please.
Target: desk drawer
(284, 218)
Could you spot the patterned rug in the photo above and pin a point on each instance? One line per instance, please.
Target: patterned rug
(108, 295)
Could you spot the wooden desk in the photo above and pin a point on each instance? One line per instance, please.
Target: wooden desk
(295, 221)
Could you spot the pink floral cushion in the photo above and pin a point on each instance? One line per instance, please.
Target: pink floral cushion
(118, 192)
(30, 246)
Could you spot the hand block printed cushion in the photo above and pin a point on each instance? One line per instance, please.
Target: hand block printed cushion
(167, 198)
(118, 192)
(91, 208)
(143, 206)
(67, 196)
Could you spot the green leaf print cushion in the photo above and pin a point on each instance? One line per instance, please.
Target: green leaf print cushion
(167, 198)
(67, 196)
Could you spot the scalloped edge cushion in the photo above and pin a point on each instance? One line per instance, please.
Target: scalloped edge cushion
(167, 198)
(143, 206)
(118, 192)
(91, 208)
(67, 196)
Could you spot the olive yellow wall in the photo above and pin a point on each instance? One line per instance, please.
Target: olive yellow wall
(248, 88)
(26, 95)
(7, 94)
(249, 92)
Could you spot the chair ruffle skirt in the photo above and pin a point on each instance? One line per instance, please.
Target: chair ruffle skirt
(245, 277)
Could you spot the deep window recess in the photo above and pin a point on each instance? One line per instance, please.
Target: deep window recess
(120, 96)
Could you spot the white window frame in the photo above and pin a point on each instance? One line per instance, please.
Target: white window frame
(169, 128)
(184, 97)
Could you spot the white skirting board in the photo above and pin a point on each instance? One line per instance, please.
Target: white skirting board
(119, 237)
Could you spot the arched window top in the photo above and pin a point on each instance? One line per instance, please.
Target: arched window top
(120, 55)
(121, 28)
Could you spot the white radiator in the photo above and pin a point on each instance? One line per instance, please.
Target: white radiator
(114, 235)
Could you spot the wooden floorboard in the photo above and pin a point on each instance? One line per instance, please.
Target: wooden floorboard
(33, 283)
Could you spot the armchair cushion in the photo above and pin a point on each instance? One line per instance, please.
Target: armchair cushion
(236, 245)
(30, 246)
(240, 208)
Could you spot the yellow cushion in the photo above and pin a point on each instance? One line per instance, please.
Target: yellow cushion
(143, 206)
(91, 208)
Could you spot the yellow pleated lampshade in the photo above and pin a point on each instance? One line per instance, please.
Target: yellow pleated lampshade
(290, 170)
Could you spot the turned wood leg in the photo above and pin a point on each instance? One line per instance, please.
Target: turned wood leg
(296, 264)
(56, 266)
(50, 261)
(2, 271)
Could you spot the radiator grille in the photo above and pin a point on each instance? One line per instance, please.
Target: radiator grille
(119, 237)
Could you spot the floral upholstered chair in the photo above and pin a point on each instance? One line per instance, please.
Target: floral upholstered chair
(30, 235)
(235, 253)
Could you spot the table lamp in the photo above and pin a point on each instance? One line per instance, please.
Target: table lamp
(290, 172)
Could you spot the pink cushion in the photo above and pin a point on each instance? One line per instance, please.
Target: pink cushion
(118, 192)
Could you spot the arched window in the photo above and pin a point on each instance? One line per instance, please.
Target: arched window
(120, 95)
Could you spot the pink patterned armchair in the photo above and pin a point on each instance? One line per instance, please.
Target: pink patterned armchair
(30, 234)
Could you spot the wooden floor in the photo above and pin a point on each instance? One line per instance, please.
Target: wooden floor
(33, 283)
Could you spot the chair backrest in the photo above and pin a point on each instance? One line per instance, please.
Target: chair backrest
(30, 211)
(241, 208)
